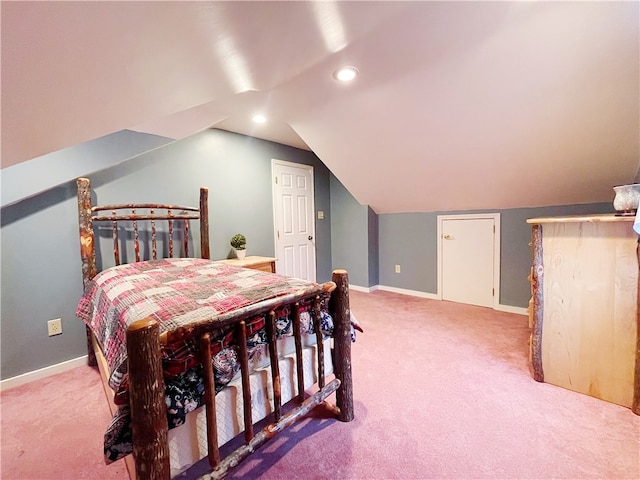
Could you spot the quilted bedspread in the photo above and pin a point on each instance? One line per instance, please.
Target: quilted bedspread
(174, 292)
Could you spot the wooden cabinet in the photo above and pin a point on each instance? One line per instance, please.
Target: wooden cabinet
(585, 306)
(266, 264)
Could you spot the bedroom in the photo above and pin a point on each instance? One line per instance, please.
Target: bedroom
(138, 162)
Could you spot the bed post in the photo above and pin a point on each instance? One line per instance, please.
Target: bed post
(204, 223)
(87, 249)
(149, 427)
(537, 280)
(339, 308)
(635, 405)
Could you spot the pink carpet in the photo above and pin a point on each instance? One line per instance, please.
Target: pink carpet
(52, 429)
(442, 391)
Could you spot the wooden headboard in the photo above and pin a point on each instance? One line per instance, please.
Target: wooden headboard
(176, 216)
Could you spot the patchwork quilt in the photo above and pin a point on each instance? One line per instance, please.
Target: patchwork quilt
(175, 292)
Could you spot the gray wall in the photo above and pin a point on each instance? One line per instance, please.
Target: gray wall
(374, 250)
(237, 171)
(41, 272)
(350, 242)
(91, 156)
(410, 240)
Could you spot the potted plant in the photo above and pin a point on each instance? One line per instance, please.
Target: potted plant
(239, 244)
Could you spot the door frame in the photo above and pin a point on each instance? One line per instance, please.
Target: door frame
(496, 250)
(274, 162)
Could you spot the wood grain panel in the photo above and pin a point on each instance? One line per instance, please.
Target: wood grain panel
(590, 289)
(266, 264)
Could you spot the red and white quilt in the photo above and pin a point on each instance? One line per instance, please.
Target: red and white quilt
(174, 292)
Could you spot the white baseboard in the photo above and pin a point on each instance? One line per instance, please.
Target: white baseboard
(512, 309)
(42, 373)
(433, 296)
(358, 288)
(413, 293)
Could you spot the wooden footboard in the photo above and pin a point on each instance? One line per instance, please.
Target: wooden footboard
(146, 384)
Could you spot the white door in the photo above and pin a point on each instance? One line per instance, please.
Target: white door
(294, 220)
(469, 257)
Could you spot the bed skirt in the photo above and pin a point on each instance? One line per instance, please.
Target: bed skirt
(188, 442)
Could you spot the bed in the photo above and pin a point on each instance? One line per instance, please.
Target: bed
(160, 311)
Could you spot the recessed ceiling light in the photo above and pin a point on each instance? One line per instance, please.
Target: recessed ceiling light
(259, 118)
(345, 74)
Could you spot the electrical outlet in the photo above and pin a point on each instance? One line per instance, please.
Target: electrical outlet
(397, 268)
(54, 327)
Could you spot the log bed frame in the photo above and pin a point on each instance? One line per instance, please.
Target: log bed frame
(144, 342)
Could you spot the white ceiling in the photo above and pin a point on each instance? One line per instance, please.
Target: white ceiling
(459, 105)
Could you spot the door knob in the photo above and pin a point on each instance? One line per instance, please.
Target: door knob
(448, 237)
(310, 237)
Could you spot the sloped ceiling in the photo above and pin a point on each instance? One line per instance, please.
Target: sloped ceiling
(458, 105)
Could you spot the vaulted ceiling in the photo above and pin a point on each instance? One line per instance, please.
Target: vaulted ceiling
(458, 105)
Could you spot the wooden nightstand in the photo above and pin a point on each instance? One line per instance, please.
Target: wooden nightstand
(266, 264)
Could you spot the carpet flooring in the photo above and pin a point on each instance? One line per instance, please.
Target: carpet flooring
(442, 391)
(53, 429)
